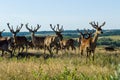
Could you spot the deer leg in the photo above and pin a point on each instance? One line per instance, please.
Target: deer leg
(13, 49)
(49, 49)
(18, 48)
(57, 50)
(81, 52)
(22, 48)
(26, 48)
(44, 49)
(10, 52)
(93, 55)
(2, 53)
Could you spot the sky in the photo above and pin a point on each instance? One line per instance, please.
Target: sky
(72, 14)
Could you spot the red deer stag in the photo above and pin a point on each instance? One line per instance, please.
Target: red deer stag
(38, 42)
(89, 44)
(52, 42)
(19, 41)
(67, 44)
(84, 36)
(93, 41)
(4, 45)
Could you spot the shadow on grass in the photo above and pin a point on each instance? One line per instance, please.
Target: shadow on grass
(28, 55)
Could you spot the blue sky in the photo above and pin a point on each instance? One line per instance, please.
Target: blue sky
(72, 14)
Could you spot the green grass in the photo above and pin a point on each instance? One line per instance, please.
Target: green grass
(67, 66)
(115, 38)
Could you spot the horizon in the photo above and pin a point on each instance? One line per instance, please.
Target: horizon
(71, 14)
(39, 31)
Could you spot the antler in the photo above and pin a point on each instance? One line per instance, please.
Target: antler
(79, 31)
(53, 28)
(88, 31)
(94, 25)
(82, 35)
(102, 24)
(2, 30)
(35, 29)
(27, 27)
(60, 29)
(11, 28)
(19, 28)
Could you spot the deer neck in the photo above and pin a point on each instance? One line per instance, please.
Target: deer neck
(95, 38)
(14, 38)
(33, 36)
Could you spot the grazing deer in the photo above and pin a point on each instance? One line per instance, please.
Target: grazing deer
(67, 44)
(38, 42)
(51, 42)
(89, 44)
(4, 45)
(109, 48)
(19, 41)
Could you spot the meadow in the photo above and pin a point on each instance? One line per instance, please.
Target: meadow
(67, 66)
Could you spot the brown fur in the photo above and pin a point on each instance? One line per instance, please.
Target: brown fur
(19, 41)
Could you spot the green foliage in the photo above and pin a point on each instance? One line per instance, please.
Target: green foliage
(108, 42)
(117, 74)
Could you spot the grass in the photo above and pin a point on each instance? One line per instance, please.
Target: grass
(67, 66)
(115, 38)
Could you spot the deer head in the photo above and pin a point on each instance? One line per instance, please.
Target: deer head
(97, 27)
(1, 32)
(33, 30)
(88, 33)
(58, 30)
(18, 28)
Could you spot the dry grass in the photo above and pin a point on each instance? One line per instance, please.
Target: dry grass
(35, 68)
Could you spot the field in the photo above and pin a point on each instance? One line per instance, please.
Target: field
(66, 66)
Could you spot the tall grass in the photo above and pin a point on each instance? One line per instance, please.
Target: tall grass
(68, 66)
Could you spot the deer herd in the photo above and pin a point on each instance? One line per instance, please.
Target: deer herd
(87, 40)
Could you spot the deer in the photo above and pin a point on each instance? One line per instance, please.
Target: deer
(109, 48)
(89, 44)
(19, 41)
(30, 44)
(84, 36)
(4, 45)
(67, 44)
(37, 41)
(1, 37)
(53, 42)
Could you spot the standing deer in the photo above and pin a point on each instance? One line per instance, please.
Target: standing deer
(89, 44)
(38, 42)
(82, 39)
(19, 41)
(4, 45)
(67, 44)
(51, 42)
